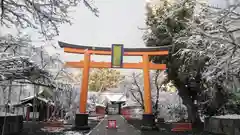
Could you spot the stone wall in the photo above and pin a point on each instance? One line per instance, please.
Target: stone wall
(223, 125)
(13, 124)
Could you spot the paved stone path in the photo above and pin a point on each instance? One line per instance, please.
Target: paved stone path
(123, 127)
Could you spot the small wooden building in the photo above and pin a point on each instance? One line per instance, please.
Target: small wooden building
(43, 108)
(110, 101)
(100, 109)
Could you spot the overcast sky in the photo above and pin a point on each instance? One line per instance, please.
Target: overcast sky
(118, 23)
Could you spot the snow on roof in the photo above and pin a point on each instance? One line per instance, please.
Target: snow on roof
(27, 98)
(43, 91)
(116, 97)
(31, 97)
(111, 96)
(102, 105)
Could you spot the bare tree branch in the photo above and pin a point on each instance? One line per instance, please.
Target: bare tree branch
(45, 16)
(158, 89)
(138, 87)
(135, 97)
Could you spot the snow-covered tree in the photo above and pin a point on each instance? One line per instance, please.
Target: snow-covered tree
(45, 16)
(164, 27)
(20, 47)
(92, 100)
(213, 34)
(203, 61)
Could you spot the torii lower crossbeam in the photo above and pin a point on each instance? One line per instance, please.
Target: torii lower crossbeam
(93, 64)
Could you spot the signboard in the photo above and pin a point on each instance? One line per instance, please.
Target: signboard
(117, 56)
(112, 124)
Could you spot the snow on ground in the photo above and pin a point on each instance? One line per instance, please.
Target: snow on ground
(7, 114)
(73, 133)
(228, 116)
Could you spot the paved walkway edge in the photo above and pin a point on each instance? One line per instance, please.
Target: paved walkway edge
(130, 124)
(96, 126)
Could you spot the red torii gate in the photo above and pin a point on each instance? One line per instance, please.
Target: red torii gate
(86, 64)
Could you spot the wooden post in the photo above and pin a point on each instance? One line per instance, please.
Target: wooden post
(28, 113)
(48, 111)
(147, 88)
(84, 86)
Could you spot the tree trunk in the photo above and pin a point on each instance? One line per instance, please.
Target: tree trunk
(193, 115)
(192, 109)
(218, 100)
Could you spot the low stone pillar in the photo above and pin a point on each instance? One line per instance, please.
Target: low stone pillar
(148, 122)
(13, 124)
(81, 121)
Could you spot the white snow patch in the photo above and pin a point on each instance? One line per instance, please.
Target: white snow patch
(228, 116)
(72, 133)
(7, 114)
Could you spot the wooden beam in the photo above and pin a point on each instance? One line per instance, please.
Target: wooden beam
(147, 86)
(84, 84)
(97, 52)
(93, 64)
(145, 49)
